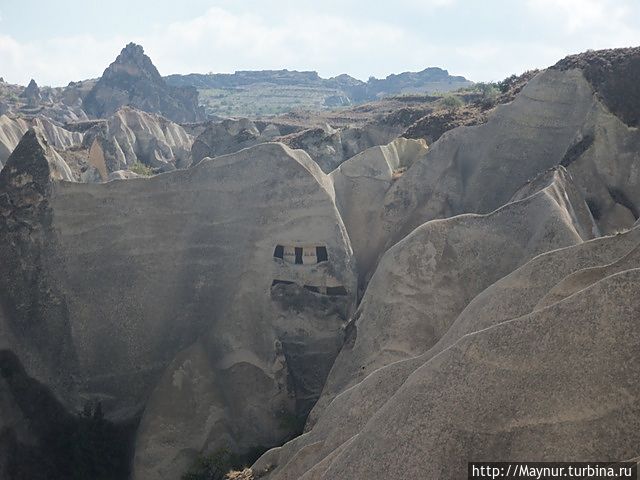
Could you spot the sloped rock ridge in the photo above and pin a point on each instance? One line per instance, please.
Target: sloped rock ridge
(394, 311)
(134, 81)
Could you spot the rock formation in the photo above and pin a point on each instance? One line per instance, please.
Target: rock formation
(127, 342)
(329, 147)
(12, 130)
(131, 136)
(32, 93)
(230, 136)
(415, 308)
(134, 81)
(435, 352)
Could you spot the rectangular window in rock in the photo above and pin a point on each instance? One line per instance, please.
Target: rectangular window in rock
(280, 282)
(304, 255)
(321, 254)
(336, 290)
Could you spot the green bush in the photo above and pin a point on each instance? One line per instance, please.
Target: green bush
(141, 169)
(452, 102)
(506, 84)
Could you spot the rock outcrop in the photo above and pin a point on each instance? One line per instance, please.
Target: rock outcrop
(12, 130)
(361, 184)
(329, 146)
(457, 318)
(479, 168)
(414, 309)
(131, 136)
(134, 81)
(233, 229)
(457, 395)
(230, 136)
(32, 93)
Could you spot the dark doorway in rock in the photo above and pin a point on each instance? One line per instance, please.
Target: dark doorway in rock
(321, 254)
(336, 290)
(279, 251)
(298, 251)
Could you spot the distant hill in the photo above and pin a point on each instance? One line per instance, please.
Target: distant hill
(276, 91)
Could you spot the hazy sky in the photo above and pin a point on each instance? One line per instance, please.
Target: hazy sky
(59, 41)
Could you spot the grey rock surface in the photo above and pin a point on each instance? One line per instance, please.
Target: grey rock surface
(132, 136)
(133, 80)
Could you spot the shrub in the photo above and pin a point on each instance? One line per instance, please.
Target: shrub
(489, 92)
(506, 84)
(141, 169)
(452, 102)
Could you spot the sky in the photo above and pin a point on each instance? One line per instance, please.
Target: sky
(483, 40)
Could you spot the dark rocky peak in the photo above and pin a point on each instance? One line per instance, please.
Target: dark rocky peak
(133, 80)
(33, 163)
(32, 91)
(132, 62)
(613, 75)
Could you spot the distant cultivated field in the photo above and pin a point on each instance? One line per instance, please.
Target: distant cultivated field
(264, 99)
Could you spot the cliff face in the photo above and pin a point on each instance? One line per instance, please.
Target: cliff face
(418, 306)
(133, 80)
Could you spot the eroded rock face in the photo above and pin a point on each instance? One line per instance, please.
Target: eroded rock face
(252, 385)
(131, 136)
(133, 80)
(233, 324)
(32, 93)
(229, 136)
(448, 328)
(36, 322)
(424, 281)
(217, 302)
(479, 168)
(613, 75)
(12, 130)
(361, 184)
(458, 396)
(329, 147)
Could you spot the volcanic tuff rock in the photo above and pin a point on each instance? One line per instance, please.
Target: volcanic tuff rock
(133, 80)
(550, 330)
(441, 266)
(329, 147)
(460, 403)
(448, 384)
(361, 184)
(29, 303)
(32, 93)
(12, 130)
(273, 332)
(218, 302)
(229, 136)
(478, 169)
(131, 136)
(223, 307)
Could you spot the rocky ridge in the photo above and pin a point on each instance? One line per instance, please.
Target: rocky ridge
(464, 298)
